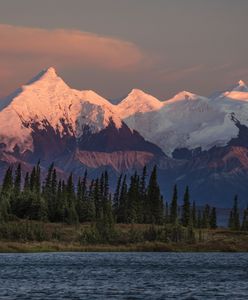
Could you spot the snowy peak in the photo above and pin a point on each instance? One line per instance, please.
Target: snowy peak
(48, 74)
(46, 78)
(137, 92)
(136, 102)
(186, 120)
(238, 92)
(240, 87)
(241, 83)
(181, 96)
(47, 99)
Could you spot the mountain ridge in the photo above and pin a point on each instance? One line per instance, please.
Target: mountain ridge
(195, 140)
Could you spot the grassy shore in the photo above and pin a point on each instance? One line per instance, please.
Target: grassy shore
(30, 236)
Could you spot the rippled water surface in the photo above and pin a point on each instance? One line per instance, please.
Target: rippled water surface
(124, 276)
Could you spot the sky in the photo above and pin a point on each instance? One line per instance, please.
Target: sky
(113, 46)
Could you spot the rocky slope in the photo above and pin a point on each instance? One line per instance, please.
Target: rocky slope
(194, 140)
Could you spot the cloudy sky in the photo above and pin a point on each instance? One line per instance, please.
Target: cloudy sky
(112, 46)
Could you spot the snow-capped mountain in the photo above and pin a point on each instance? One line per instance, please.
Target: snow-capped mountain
(191, 121)
(196, 140)
(48, 100)
(46, 119)
(138, 102)
(185, 121)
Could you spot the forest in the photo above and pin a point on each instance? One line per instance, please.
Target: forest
(134, 200)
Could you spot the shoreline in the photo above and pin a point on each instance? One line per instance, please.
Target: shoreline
(35, 237)
(41, 247)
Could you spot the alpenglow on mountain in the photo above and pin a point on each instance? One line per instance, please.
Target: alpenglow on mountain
(195, 140)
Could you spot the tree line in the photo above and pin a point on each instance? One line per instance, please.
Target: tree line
(234, 222)
(137, 199)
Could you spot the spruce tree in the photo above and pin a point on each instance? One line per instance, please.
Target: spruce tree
(71, 214)
(17, 181)
(26, 186)
(143, 194)
(213, 218)
(133, 203)
(194, 217)
(14, 199)
(199, 219)
(32, 179)
(49, 194)
(245, 220)
(122, 211)
(167, 213)
(5, 195)
(154, 199)
(231, 220)
(206, 217)
(106, 198)
(186, 208)
(116, 199)
(7, 182)
(97, 199)
(236, 214)
(174, 206)
(234, 222)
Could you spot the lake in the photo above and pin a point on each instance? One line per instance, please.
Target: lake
(124, 276)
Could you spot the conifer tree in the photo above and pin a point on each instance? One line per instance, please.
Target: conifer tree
(199, 219)
(174, 206)
(143, 194)
(26, 186)
(17, 181)
(167, 213)
(206, 217)
(142, 185)
(32, 179)
(186, 208)
(194, 217)
(234, 222)
(59, 214)
(133, 205)
(37, 178)
(230, 220)
(245, 220)
(79, 200)
(213, 218)
(106, 198)
(7, 182)
(84, 185)
(155, 202)
(90, 205)
(14, 197)
(116, 199)
(122, 211)
(49, 194)
(5, 195)
(71, 214)
(97, 199)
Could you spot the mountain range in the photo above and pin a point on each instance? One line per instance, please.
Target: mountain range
(194, 140)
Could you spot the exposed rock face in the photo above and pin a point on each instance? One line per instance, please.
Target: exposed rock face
(118, 160)
(195, 140)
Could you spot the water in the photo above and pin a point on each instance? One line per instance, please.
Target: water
(124, 276)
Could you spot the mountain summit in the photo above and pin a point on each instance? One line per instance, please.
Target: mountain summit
(186, 120)
(48, 120)
(188, 136)
(240, 86)
(138, 102)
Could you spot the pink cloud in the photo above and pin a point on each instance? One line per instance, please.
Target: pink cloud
(26, 50)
